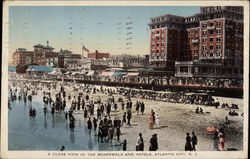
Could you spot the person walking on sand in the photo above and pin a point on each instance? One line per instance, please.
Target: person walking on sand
(124, 118)
(188, 146)
(221, 139)
(89, 125)
(139, 143)
(124, 145)
(129, 116)
(194, 141)
(142, 108)
(216, 140)
(157, 120)
(150, 121)
(153, 143)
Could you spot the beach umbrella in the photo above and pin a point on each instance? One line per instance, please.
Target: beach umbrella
(211, 129)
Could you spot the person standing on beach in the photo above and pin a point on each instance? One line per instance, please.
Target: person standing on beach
(221, 139)
(188, 146)
(95, 124)
(194, 141)
(89, 125)
(153, 143)
(118, 133)
(137, 107)
(216, 140)
(142, 108)
(139, 143)
(129, 116)
(124, 145)
(124, 118)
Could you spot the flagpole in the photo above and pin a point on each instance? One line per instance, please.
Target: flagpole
(82, 52)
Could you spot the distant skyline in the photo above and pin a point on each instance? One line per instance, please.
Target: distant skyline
(100, 28)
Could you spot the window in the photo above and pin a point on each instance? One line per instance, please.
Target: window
(204, 40)
(218, 39)
(218, 47)
(211, 32)
(211, 24)
(204, 47)
(217, 53)
(211, 39)
(211, 54)
(204, 33)
(204, 54)
(153, 33)
(204, 25)
(211, 47)
(218, 31)
(153, 39)
(162, 44)
(218, 24)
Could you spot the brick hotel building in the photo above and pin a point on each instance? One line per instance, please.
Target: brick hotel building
(44, 55)
(207, 44)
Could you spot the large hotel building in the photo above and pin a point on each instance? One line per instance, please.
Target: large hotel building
(207, 44)
(44, 55)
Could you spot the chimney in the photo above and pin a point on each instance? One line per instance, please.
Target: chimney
(96, 51)
(47, 43)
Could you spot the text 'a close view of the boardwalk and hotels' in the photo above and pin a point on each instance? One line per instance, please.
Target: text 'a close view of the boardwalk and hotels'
(102, 78)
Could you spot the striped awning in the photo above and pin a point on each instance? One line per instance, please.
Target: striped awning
(38, 68)
(119, 74)
(106, 74)
(133, 74)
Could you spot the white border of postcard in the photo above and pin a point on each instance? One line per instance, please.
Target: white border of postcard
(115, 154)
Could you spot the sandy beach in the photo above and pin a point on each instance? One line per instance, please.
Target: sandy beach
(175, 119)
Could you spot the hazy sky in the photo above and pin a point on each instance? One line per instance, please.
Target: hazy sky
(98, 28)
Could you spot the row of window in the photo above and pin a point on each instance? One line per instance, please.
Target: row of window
(158, 51)
(211, 39)
(157, 38)
(218, 24)
(157, 45)
(211, 47)
(211, 54)
(211, 32)
(166, 18)
(158, 32)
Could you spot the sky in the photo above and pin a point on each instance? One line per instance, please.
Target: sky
(102, 28)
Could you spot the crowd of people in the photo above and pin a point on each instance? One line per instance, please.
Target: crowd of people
(173, 97)
(96, 113)
(194, 81)
(105, 118)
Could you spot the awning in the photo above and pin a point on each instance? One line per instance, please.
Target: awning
(119, 73)
(12, 68)
(90, 73)
(37, 68)
(133, 74)
(106, 74)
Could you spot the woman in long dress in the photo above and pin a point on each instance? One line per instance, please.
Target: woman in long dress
(157, 120)
(221, 139)
(150, 121)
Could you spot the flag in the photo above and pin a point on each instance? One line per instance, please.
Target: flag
(84, 48)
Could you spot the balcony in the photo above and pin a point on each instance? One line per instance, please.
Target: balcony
(210, 27)
(195, 40)
(209, 57)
